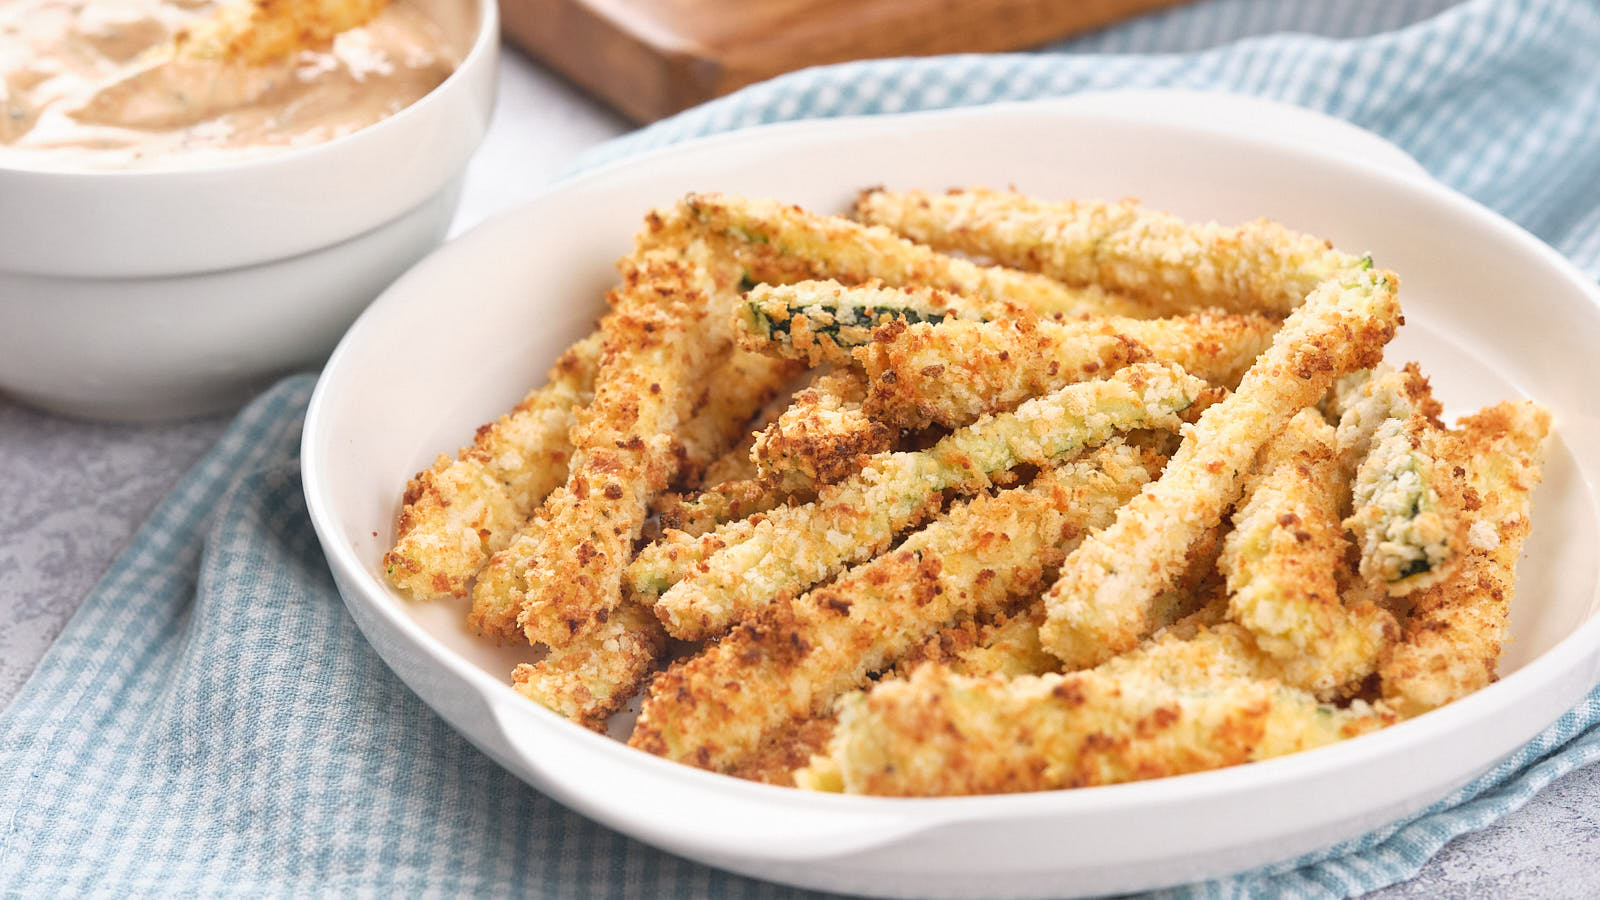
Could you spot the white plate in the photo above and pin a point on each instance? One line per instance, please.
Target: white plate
(1492, 314)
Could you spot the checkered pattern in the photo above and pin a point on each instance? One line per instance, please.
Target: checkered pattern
(212, 723)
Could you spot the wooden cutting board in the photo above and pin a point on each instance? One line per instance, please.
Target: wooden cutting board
(651, 58)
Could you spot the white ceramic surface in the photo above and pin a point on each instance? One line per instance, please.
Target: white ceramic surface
(1492, 313)
(170, 292)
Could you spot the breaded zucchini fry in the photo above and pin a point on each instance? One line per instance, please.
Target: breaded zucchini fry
(1152, 256)
(795, 547)
(1102, 605)
(719, 504)
(822, 436)
(502, 583)
(261, 31)
(1283, 558)
(660, 344)
(951, 373)
(1453, 638)
(782, 244)
(1365, 400)
(1407, 514)
(786, 750)
(938, 733)
(822, 321)
(590, 678)
(792, 660)
(459, 512)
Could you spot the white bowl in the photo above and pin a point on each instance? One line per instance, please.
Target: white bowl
(171, 292)
(1491, 313)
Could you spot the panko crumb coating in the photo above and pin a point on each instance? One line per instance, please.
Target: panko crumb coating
(1102, 604)
(1452, 640)
(1152, 256)
(658, 353)
(822, 321)
(823, 435)
(777, 243)
(592, 677)
(794, 547)
(952, 372)
(459, 512)
(1283, 558)
(792, 659)
(939, 734)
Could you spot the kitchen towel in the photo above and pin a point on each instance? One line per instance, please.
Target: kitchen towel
(212, 723)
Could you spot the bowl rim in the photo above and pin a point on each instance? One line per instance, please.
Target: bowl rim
(486, 36)
(1565, 656)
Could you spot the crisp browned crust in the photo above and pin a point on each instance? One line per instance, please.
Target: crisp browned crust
(1101, 605)
(590, 678)
(938, 733)
(1283, 560)
(791, 660)
(782, 244)
(955, 371)
(267, 30)
(737, 389)
(459, 512)
(658, 351)
(1452, 640)
(822, 436)
(1155, 257)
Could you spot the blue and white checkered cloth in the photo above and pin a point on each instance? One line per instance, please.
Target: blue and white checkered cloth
(212, 723)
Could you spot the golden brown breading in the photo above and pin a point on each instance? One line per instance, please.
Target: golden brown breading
(459, 512)
(822, 321)
(952, 372)
(1406, 509)
(261, 31)
(795, 547)
(692, 516)
(792, 660)
(1452, 640)
(823, 435)
(786, 750)
(1101, 606)
(1283, 560)
(590, 678)
(660, 344)
(938, 733)
(1151, 256)
(780, 244)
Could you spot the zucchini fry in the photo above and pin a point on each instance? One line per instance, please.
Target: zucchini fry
(792, 660)
(822, 437)
(855, 519)
(1452, 640)
(1103, 603)
(781, 244)
(660, 344)
(262, 31)
(719, 504)
(1407, 514)
(1283, 558)
(459, 512)
(1151, 256)
(822, 321)
(590, 678)
(938, 733)
(953, 372)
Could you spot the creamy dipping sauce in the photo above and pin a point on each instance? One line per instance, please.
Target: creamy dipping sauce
(89, 85)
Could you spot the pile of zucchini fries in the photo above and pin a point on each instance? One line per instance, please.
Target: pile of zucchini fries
(977, 493)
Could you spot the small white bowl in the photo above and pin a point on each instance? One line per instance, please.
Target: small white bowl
(1491, 314)
(156, 294)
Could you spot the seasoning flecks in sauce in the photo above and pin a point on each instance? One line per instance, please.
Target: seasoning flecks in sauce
(93, 85)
